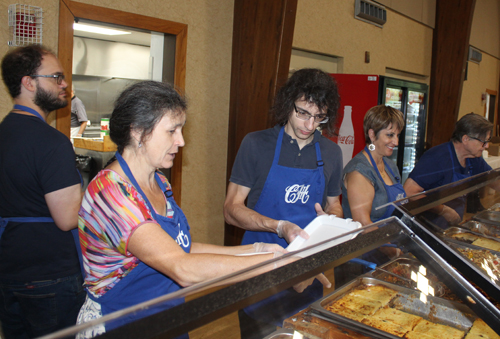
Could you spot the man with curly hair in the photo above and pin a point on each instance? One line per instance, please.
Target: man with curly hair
(287, 175)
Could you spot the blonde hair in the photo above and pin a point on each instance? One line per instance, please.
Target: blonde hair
(380, 117)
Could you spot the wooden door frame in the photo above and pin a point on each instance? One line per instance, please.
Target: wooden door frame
(69, 10)
(495, 117)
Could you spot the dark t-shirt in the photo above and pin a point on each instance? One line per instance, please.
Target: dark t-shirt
(256, 153)
(35, 159)
(435, 167)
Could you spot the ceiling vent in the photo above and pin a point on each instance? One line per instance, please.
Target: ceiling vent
(370, 12)
(475, 55)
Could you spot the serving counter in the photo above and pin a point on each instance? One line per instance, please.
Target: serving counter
(433, 281)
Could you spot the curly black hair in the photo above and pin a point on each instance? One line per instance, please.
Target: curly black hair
(312, 85)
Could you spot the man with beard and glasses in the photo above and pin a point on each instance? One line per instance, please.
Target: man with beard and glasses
(40, 279)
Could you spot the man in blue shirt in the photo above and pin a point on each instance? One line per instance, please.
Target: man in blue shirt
(457, 159)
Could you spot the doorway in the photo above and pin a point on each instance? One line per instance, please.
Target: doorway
(175, 36)
(490, 111)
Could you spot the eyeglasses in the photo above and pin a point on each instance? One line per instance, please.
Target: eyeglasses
(483, 141)
(59, 77)
(305, 115)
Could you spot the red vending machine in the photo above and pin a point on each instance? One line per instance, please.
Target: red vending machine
(358, 93)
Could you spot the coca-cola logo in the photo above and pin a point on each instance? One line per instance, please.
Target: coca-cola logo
(347, 140)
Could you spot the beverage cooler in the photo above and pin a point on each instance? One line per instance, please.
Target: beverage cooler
(360, 92)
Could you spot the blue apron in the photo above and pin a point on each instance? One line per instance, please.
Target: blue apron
(394, 192)
(458, 204)
(5, 221)
(144, 283)
(288, 194)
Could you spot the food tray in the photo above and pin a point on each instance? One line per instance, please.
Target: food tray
(405, 263)
(459, 245)
(450, 232)
(436, 310)
(440, 290)
(322, 228)
(482, 228)
(487, 216)
(282, 333)
(495, 208)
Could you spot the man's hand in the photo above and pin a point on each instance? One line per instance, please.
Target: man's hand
(290, 231)
(319, 210)
(300, 287)
(451, 216)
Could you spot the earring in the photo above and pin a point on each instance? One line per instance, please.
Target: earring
(371, 147)
(140, 144)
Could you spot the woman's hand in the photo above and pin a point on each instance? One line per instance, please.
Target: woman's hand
(264, 247)
(290, 231)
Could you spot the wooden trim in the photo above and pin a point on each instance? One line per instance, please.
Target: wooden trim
(450, 45)
(63, 115)
(69, 10)
(262, 47)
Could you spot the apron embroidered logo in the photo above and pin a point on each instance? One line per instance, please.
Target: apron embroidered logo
(182, 239)
(296, 192)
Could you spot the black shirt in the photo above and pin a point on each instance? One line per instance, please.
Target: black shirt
(35, 159)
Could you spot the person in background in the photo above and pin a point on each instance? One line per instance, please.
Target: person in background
(457, 159)
(40, 279)
(78, 115)
(136, 240)
(371, 180)
(286, 174)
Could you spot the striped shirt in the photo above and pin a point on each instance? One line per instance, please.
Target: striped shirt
(111, 210)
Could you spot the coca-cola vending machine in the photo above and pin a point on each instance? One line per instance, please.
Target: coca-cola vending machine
(360, 92)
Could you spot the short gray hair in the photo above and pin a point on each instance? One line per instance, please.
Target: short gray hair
(473, 125)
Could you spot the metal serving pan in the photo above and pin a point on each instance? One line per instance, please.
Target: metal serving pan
(495, 208)
(487, 216)
(449, 234)
(456, 245)
(440, 290)
(406, 264)
(482, 228)
(437, 310)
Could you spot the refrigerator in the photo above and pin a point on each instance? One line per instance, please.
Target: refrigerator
(360, 92)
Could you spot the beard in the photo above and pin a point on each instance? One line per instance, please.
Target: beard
(48, 101)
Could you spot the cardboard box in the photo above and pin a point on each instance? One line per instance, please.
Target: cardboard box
(101, 145)
(494, 150)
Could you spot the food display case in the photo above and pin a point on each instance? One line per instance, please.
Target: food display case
(435, 285)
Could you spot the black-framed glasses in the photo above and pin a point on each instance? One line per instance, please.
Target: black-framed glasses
(483, 141)
(305, 115)
(59, 77)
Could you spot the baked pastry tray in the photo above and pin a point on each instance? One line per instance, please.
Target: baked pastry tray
(436, 310)
(488, 216)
